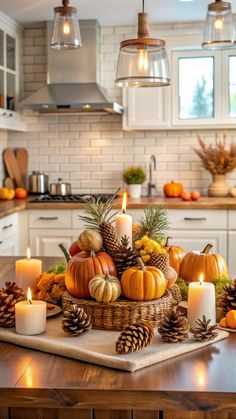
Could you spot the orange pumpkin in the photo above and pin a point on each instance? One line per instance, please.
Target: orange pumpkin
(173, 189)
(176, 254)
(211, 265)
(83, 267)
(143, 282)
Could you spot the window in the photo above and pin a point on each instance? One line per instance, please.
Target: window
(196, 88)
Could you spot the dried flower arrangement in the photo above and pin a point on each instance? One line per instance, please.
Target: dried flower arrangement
(50, 287)
(217, 159)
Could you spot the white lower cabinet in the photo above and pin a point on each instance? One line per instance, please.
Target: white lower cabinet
(9, 247)
(45, 242)
(198, 239)
(232, 253)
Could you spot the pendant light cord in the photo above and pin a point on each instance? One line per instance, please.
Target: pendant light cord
(143, 6)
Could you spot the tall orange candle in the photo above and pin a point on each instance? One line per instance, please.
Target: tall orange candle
(27, 270)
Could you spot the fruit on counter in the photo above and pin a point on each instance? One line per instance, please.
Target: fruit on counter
(211, 265)
(143, 282)
(83, 267)
(90, 240)
(222, 322)
(231, 319)
(232, 191)
(21, 193)
(195, 195)
(176, 254)
(105, 288)
(74, 248)
(173, 189)
(6, 194)
(186, 196)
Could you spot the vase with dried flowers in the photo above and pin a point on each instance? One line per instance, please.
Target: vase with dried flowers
(218, 160)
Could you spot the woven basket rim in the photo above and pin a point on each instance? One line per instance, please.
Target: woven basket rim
(121, 302)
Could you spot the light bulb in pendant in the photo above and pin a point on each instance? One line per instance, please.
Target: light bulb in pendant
(219, 24)
(143, 60)
(66, 28)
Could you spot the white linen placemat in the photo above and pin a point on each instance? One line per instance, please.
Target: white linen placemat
(98, 346)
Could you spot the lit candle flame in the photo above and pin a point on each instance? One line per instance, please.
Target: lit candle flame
(124, 202)
(29, 295)
(66, 28)
(201, 278)
(28, 252)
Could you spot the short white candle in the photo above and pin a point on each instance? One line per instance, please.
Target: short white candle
(201, 301)
(30, 316)
(124, 222)
(27, 270)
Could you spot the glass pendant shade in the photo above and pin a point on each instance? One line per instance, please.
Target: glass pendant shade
(219, 29)
(142, 62)
(66, 31)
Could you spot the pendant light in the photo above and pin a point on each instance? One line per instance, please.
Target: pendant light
(219, 29)
(65, 32)
(142, 62)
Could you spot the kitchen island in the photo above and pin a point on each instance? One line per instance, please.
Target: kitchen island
(201, 384)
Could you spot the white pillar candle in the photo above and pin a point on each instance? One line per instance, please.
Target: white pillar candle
(30, 317)
(124, 222)
(27, 270)
(201, 301)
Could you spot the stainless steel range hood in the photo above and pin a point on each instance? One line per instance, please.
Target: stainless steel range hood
(72, 76)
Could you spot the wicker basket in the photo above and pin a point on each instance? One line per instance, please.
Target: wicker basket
(119, 314)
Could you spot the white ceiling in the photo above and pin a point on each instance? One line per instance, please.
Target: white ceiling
(109, 12)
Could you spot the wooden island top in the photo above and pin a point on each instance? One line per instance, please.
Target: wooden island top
(49, 386)
(9, 207)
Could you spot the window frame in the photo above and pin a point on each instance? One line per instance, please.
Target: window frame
(225, 88)
(192, 52)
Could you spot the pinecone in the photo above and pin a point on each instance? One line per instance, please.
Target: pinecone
(174, 327)
(125, 257)
(160, 261)
(9, 296)
(228, 299)
(76, 321)
(111, 241)
(135, 337)
(204, 332)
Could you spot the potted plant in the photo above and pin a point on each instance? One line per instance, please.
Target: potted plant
(218, 160)
(134, 177)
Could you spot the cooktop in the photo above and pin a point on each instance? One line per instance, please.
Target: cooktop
(71, 198)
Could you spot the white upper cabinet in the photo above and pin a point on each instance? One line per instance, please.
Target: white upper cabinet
(202, 92)
(10, 38)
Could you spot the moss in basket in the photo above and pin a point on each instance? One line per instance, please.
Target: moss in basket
(134, 175)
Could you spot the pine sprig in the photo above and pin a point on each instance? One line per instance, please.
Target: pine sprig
(98, 212)
(154, 223)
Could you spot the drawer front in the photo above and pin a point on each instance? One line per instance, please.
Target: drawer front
(50, 219)
(197, 219)
(8, 226)
(79, 225)
(232, 220)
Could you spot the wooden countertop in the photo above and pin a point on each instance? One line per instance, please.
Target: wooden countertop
(9, 207)
(202, 380)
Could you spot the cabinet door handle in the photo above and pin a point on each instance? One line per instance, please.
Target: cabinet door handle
(8, 226)
(48, 218)
(195, 218)
(1, 242)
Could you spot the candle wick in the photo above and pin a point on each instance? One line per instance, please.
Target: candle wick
(123, 211)
(30, 301)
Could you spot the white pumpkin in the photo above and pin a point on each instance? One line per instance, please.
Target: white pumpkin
(105, 288)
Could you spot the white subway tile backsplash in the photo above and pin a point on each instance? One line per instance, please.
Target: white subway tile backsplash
(91, 151)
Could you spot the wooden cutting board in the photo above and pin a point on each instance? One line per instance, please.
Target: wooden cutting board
(12, 167)
(22, 160)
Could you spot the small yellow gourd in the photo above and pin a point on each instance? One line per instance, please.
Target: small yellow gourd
(90, 240)
(105, 288)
